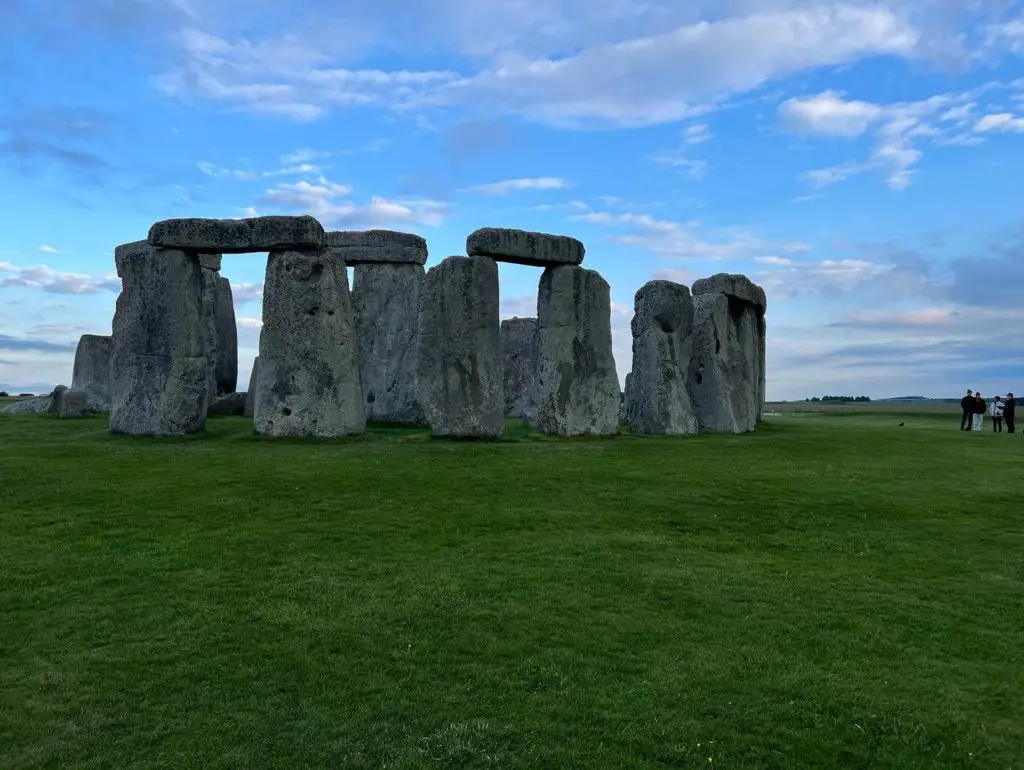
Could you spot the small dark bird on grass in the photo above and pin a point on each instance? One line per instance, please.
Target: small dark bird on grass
(900, 425)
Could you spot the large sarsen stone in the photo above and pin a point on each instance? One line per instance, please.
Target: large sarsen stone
(238, 236)
(519, 362)
(92, 370)
(370, 247)
(577, 385)
(308, 374)
(458, 363)
(524, 248)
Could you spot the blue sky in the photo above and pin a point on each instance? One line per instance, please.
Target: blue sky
(860, 160)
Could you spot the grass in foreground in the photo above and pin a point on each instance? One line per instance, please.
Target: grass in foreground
(829, 592)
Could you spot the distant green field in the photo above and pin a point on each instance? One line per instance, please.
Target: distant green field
(868, 407)
(832, 591)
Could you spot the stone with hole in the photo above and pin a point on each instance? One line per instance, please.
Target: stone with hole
(308, 380)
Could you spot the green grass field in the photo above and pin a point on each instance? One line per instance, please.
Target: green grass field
(833, 591)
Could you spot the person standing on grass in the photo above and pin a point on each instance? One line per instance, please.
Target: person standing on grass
(979, 412)
(997, 415)
(1009, 412)
(967, 410)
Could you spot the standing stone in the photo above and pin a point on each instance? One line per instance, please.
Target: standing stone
(662, 325)
(226, 370)
(519, 363)
(385, 305)
(458, 362)
(92, 370)
(158, 361)
(308, 375)
(726, 377)
(250, 394)
(577, 384)
(211, 344)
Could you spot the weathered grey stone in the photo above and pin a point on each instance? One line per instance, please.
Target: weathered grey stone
(763, 371)
(525, 248)
(226, 371)
(733, 285)
(662, 326)
(308, 377)
(368, 247)
(228, 404)
(211, 341)
(210, 261)
(577, 385)
(56, 397)
(250, 394)
(34, 405)
(458, 362)
(92, 370)
(158, 363)
(238, 236)
(519, 363)
(73, 403)
(385, 306)
(724, 380)
(126, 252)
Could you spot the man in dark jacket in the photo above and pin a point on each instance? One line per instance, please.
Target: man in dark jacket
(1009, 411)
(967, 410)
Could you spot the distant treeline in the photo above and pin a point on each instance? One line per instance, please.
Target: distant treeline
(837, 399)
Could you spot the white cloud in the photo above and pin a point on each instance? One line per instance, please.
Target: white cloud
(47, 249)
(828, 113)
(215, 171)
(45, 279)
(326, 201)
(1003, 121)
(526, 183)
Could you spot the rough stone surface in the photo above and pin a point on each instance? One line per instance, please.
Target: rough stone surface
(724, 377)
(210, 261)
(577, 385)
(662, 326)
(458, 362)
(158, 364)
(238, 236)
(127, 252)
(56, 398)
(308, 377)
(211, 341)
(250, 394)
(519, 362)
(226, 369)
(92, 370)
(368, 247)
(228, 404)
(385, 306)
(34, 405)
(73, 403)
(733, 285)
(524, 248)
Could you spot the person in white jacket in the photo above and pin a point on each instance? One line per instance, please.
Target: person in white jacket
(996, 410)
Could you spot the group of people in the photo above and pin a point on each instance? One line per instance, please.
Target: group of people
(973, 408)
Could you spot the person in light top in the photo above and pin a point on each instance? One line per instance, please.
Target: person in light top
(996, 410)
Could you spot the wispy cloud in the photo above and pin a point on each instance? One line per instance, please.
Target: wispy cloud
(516, 185)
(43, 278)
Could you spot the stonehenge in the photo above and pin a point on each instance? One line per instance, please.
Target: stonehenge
(577, 383)
(519, 366)
(458, 362)
(91, 372)
(408, 345)
(656, 390)
(308, 380)
(387, 278)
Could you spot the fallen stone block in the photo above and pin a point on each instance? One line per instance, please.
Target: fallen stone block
(230, 404)
(74, 403)
(524, 248)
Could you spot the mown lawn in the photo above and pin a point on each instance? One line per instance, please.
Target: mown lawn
(833, 591)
